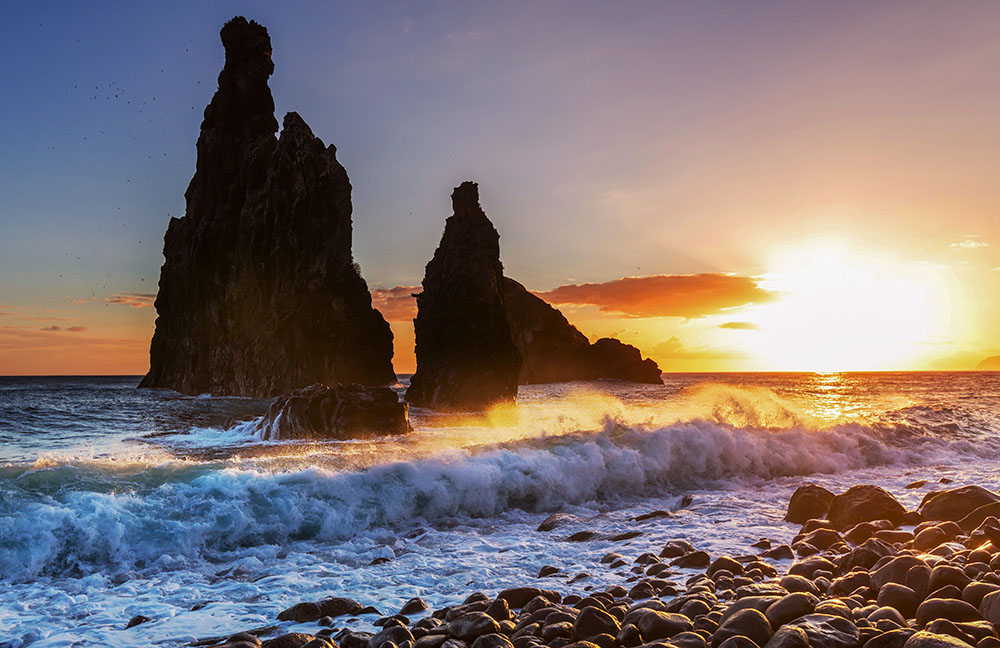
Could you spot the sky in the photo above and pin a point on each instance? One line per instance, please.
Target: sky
(729, 186)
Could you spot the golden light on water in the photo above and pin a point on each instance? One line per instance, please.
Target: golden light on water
(842, 307)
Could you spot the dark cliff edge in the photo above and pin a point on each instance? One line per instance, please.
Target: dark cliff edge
(466, 357)
(259, 293)
(553, 350)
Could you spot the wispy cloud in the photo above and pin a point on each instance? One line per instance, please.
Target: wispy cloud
(132, 300)
(969, 244)
(687, 296)
(740, 326)
(70, 329)
(396, 304)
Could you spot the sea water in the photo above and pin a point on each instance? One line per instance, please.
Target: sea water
(116, 502)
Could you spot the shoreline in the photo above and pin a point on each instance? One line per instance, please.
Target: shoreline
(848, 586)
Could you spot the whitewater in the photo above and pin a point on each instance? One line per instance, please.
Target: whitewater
(116, 502)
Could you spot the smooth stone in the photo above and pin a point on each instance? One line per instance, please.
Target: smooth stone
(826, 631)
(789, 608)
(788, 637)
(951, 609)
(749, 623)
(924, 639)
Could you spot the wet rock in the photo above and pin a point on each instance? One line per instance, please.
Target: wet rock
(827, 631)
(973, 593)
(788, 637)
(789, 608)
(887, 613)
(466, 357)
(259, 293)
(337, 412)
(864, 504)
(137, 620)
(899, 597)
(925, 639)
(518, 597)
(555, 520)
(809, 566)
(414, 605)
(781, 552)
(290, 640)
(676, 548)
(693, 560)
(895, 570)
(738, 641)
(956, 503)
(989, 607)
(654, 624)
(724, 563)
(943, 575)
(979, 516)
(492, 641)
(395, 634)
(946, 627)
(808, 502)
(890, 639)
(748, 623)
(471, 625)
(553, 350)
(547, 570)
(951, 609)
(593, 621)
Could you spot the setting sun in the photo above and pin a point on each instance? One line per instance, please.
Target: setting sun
(844, 307)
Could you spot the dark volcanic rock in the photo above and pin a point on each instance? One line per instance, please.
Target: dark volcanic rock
(956, 503)
(259, 293)
(553, 350)
(808, 502)
(466, 357)
(338, 412)
(864, 504)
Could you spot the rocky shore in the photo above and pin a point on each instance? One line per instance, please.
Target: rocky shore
(862, 571)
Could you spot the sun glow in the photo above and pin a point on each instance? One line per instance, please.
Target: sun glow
(846, 308)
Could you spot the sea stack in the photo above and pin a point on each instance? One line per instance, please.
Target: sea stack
(259, 293)
(466, 357)
(553, 350)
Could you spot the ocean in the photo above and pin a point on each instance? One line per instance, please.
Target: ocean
(116, 502)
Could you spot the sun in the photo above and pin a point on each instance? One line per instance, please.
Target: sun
(842, 307)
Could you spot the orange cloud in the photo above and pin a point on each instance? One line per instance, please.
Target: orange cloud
(133, 300)
(687, 296)
(396, 304)
(71, 329)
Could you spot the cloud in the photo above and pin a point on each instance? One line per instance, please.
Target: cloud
(740, 326)
(133, 300)
(687, 296)
(969, 244)
(396, 304)
(71, 329)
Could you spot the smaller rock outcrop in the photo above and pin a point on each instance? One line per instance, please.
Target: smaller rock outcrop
(335, 412)
(553, 350)
(466, 358)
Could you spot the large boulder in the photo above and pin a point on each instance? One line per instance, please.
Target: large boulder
(956, 503)
(335, 412)
(466, 357)
(808, 502)
(553, 350)
(864, 504)
(259, 293)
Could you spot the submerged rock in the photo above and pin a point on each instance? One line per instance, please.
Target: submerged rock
(259, 293)
(553, 350)
(337, 412)
(466, 358)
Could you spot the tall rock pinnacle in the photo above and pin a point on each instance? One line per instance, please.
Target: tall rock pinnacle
(466, 358)
(259, 293)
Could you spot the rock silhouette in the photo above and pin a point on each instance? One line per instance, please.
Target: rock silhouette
(553, 350)
(259, 294)
(466, 357)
